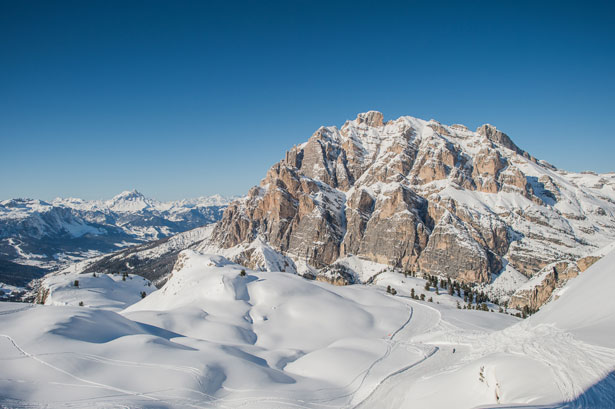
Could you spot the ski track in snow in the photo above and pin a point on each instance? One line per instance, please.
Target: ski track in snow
(96, 384)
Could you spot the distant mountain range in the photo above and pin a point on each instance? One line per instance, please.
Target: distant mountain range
(38, 236)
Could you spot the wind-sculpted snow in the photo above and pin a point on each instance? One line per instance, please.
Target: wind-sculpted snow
(216, 337)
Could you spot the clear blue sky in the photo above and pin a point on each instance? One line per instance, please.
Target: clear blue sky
(188, 98)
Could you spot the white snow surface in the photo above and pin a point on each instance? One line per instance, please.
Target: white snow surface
(213, 338)
(112, 292)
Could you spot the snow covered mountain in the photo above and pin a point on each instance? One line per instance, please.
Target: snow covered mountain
(37, 235)
(420, 196)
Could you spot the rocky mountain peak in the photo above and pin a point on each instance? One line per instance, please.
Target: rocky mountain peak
(495, 135)
(133, 194)
(129, 201)
(418, 195)
(370, 118)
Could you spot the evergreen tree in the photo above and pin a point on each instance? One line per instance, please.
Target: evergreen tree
(422, 297)
(76, 283)
(412, 293)
(427, 286)
(242, 273)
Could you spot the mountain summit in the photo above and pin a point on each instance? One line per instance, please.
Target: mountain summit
(129, 201)
(420, 196)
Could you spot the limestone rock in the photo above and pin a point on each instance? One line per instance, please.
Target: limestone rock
(539, 290)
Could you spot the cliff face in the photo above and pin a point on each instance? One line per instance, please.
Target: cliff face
(422, 196)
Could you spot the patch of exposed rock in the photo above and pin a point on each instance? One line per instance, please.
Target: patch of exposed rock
(538, 291)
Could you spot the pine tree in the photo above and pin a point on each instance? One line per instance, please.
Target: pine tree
(422, 297)
(458, 305)
(143, 294)
(81, 303)
(427, 286)
(242, 273)
(412, 293)
(451, 290)
(430, 299)
(76, 283)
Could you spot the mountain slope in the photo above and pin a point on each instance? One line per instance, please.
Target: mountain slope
(561, 357)
(422, 196)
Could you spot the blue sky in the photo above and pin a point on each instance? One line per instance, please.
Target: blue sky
(188, 98)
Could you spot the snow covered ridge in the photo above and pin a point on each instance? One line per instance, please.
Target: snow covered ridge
(51, 235)
(419, 196)
(220, 335)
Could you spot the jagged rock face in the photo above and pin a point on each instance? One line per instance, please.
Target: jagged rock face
(541, 289)
(420, 195)
(451, 251)
(389, 230)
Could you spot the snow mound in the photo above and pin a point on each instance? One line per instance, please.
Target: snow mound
(102, 291)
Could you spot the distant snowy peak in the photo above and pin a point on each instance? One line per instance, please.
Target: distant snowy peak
(203, 201)
(130, 201)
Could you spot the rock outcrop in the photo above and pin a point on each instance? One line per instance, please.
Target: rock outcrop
(539, 290)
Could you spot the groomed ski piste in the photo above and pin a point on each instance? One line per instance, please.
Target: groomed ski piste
(214, 337)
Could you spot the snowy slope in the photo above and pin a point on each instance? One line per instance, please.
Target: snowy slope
(214, 338)
(562, 357)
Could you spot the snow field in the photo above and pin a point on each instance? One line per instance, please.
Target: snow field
(214, 338)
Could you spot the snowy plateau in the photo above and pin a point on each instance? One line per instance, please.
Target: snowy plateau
(330, 286)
